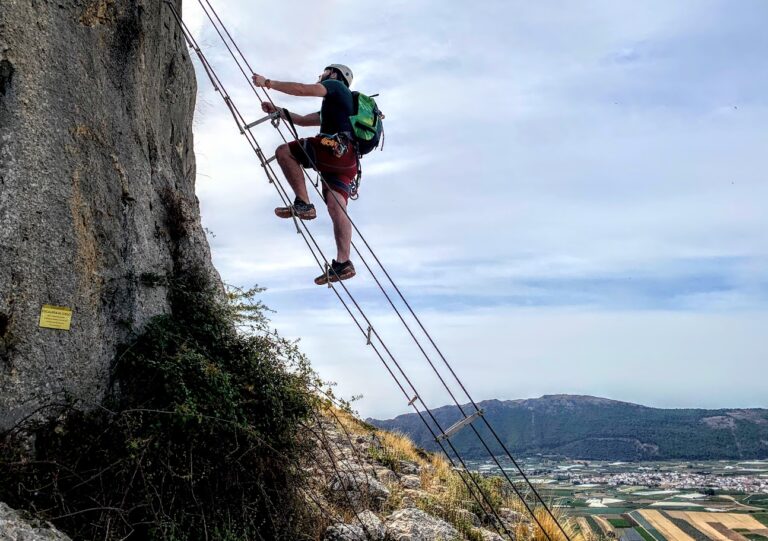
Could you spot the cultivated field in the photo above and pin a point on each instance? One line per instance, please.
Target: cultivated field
(699, 525)
(722, 527)
(664, 526)
(679, 500)
(585, 529)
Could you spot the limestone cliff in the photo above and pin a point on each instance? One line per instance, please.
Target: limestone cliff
(97, 199)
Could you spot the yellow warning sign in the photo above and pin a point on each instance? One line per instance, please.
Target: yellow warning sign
(55, 317)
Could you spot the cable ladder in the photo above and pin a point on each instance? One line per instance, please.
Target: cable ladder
(442, 437)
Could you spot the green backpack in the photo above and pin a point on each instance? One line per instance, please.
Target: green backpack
(366, 122)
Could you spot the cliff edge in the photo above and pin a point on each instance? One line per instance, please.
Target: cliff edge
(97, 187)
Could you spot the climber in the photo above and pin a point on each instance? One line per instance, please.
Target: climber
(332, 153)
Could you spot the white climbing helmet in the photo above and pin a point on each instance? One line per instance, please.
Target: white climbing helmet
(345, 72)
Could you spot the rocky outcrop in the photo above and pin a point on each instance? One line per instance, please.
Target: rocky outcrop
(423, 497)
(374, 527)
(344, 532)
(357, 487)
(14, 526)
(410, 481)
(351, 479)
(415, 525)
(487, 535)
(367, 527)
(97, 202)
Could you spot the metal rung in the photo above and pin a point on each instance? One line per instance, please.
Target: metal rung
(270, 116)
(264, 162)
(413, 400)
(459, 425)
(368, 341)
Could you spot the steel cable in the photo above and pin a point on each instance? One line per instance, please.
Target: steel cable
(529, 485)
(239, 120)
(403, 299)
(285, 197)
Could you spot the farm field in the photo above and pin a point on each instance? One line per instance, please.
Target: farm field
(687, 526)
(655, 525)
(591, 487)
(665, 526)
(656, 501)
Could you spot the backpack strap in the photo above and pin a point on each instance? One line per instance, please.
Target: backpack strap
(287, 116)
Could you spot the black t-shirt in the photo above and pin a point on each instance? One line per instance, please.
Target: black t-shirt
(336, 108)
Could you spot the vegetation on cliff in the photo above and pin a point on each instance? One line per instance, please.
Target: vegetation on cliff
(212, 433)
(199, 437)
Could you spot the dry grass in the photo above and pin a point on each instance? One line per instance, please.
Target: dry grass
(445, 494)
(399, 447)
(392, 448)
(349, 421)
(451, 499)
(438, 475)
(550, 525)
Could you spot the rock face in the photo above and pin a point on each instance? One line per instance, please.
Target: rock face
(13, 526)
(416, 525)
(367, 527)
(97, 201)
(357, 488)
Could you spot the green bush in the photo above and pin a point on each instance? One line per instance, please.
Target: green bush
(199, 437)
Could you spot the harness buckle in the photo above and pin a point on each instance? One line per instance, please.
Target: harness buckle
(334, 142)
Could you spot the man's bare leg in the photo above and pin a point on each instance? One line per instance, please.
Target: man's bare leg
(293, 172)
(342, 227)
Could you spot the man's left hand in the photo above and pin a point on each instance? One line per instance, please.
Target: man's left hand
(259, 80)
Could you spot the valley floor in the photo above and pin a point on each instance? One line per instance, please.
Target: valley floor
(655, 501)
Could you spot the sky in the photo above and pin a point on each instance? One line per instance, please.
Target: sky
(571, 195)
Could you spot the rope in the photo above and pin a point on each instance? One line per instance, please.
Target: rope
(285, 197)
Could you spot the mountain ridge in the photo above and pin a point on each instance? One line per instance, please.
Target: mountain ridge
(596, 428)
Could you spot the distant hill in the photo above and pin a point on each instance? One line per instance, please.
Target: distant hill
(593, 428)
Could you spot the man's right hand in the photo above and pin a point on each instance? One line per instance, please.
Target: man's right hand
(268, 107)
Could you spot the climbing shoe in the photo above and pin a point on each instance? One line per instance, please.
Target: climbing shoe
(305, 211)
(337, 271)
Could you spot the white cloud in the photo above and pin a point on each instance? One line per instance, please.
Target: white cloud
(658, 358)
(605, 160)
